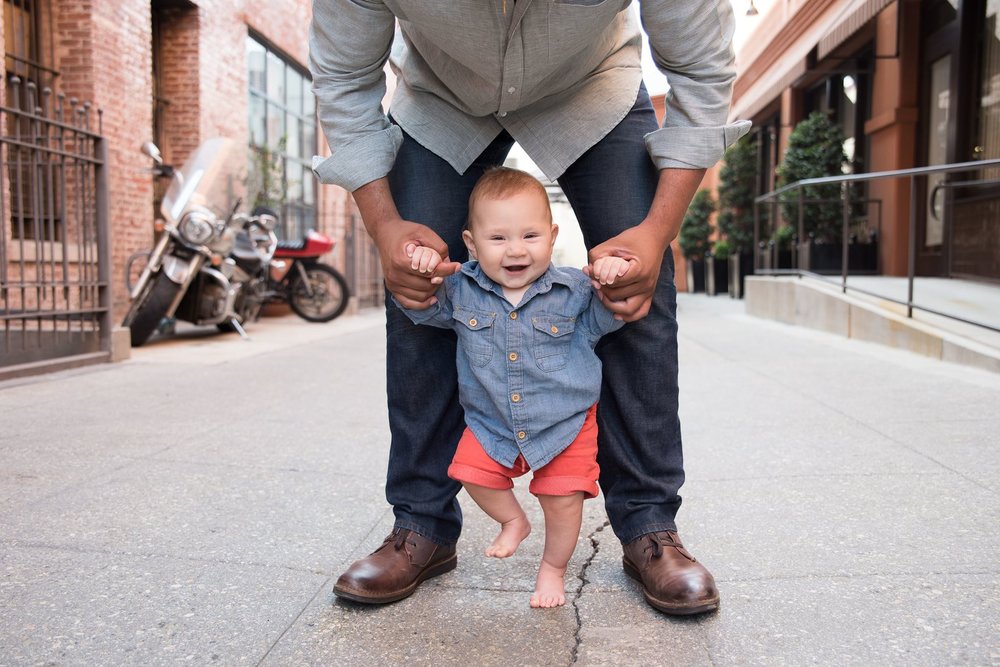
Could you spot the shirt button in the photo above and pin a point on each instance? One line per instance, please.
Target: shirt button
(511, 90)
(554, 329)
(513, 316)
(516, 398)
(521, 435)
(473, 322)
(503, 114)
(512, 356)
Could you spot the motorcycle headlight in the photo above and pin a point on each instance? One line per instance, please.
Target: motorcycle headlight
(197, 227)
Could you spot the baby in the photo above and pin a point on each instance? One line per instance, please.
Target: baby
(529, 379)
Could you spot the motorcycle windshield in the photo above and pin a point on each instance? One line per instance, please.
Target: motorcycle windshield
(213, 178)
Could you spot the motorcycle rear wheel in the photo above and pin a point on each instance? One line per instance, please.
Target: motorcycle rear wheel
(151, 308)
(329, 294)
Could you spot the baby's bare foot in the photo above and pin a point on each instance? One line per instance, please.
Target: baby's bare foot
(512, 533)
(549, 590)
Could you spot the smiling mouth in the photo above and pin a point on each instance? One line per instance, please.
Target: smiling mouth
(515, 268)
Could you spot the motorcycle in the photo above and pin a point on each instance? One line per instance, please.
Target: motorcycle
(316, 292)
(202, 267)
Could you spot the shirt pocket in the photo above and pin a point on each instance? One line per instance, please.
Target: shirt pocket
(573, 25)
(475, 334)
(552, 338)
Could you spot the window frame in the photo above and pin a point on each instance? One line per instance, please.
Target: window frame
(274, 116)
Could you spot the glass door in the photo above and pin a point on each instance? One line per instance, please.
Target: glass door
(941, 43)
(975, 234)
(937, 153)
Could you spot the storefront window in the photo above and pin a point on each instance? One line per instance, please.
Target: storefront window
(846, 98)
(988, 142)
(282, 131)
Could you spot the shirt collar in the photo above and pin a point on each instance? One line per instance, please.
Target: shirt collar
(541, 285)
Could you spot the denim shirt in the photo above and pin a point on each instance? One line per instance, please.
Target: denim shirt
(528, 373)
(558, 75)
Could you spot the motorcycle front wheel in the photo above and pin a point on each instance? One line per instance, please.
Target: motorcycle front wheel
(329, 294)
(149, 309)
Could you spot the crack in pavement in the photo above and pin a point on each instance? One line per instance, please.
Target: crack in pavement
(595, 546)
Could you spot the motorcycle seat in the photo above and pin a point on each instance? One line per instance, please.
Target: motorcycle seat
(298, 244)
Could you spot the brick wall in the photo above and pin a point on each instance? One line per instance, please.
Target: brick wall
(104, 52)
(286, 27)
(179, 55)
(223, 68)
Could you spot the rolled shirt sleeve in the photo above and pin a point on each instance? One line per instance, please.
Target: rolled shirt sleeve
(691, 43)
(349, 43)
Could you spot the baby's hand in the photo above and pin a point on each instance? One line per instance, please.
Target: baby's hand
(605, 270)
(422, 258)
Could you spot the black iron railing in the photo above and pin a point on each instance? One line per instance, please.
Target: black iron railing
(989, 191)
(55, 297)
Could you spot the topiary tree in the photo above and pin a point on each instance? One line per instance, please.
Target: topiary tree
(815, 149)
(722, 249)
(737, 183)
(695, 229)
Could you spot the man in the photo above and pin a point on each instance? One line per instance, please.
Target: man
(563, 79)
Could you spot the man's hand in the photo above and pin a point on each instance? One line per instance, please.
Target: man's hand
(644, 245)
(413, 287)
(630, 295)
(395, 237)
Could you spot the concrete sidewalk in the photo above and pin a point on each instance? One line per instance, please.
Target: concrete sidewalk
(845, 495)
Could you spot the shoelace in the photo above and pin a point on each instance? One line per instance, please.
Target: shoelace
(401, 540)
(660, 540)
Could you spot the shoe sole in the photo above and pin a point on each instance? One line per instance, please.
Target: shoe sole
(673, 609)
(435, 570)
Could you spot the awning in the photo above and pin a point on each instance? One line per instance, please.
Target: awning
(793, 63)
(855, 17)
(767, 88)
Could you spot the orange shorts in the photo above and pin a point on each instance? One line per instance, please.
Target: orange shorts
(573, 469)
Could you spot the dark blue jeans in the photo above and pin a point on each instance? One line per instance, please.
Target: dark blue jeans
(610, 188)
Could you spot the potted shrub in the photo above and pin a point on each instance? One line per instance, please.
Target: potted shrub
(815, 149)
(693, 238)
(717, 268)
(783, 243)
(737, 184)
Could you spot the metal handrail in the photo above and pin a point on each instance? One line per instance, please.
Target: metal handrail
(844, 181)
(875, 175)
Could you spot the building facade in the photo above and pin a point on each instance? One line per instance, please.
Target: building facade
(176, 72)
(910, 83)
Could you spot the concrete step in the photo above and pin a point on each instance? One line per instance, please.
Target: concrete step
(821, 305)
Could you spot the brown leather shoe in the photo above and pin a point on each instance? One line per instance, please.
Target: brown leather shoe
(672, 580)
(394, 570)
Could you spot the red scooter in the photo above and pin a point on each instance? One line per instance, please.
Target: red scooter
(315, 291)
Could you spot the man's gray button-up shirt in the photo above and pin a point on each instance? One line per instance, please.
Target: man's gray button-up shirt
(558, 75)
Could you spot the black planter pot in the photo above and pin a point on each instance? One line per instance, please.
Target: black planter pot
(740, 266)
(772, 258)
(826, 258)
(716, 276)
(785, 260)
(695, 275)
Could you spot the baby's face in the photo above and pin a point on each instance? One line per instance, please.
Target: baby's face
(512, 238)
